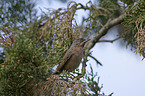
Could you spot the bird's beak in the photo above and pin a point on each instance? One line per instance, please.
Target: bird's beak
(84, 42)
(88, 40)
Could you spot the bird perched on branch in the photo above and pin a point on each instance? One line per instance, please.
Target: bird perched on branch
(72, 57)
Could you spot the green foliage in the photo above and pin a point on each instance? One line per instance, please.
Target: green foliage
(16, 12)
(25, 66)
(112, 6)
(34, 48)
(2, 56)
(60, 86)
(134, 22)
(129, 2)
(93, 84)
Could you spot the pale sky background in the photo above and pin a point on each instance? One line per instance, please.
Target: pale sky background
(123, 72)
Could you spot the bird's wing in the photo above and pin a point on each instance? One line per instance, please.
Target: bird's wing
(66, 57)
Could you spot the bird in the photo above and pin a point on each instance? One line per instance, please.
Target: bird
(72, 58)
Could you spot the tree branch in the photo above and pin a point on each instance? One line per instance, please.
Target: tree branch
(96, 60)
(111, 41)
(96, 8)
(91, 43)
(110, 23)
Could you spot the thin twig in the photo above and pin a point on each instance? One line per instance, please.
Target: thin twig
(96, 60)
(96, 8)
(111, 41)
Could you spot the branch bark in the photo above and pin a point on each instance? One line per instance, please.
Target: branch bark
(110, 23)
(111, 41)
(91, 43)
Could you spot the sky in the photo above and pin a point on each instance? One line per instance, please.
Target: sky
(123, 71)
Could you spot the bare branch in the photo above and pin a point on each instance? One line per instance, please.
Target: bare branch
(110, 23)
(111, 41)
(96, 8)
(96, 60)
